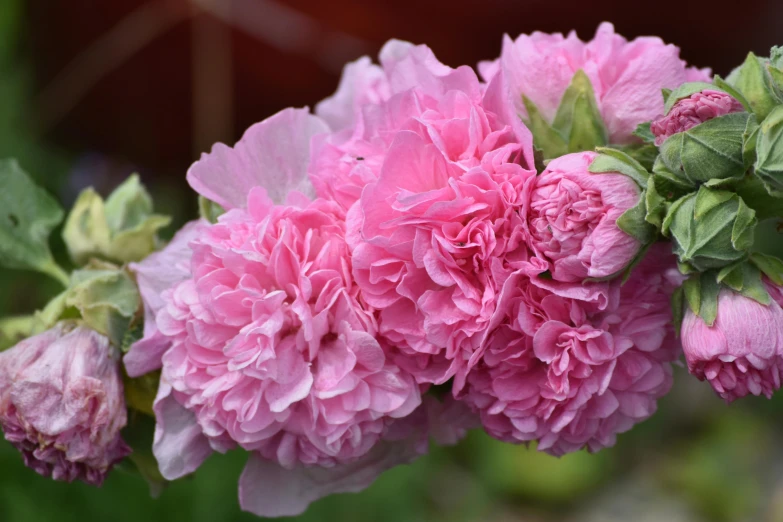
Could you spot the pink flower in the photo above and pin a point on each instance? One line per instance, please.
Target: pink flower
(438, 171)
(570, 374)
(741, 352)
(691, 111)
(373, 103)
(62, 404)
(266, 343)
(627, 77)
(573, 215)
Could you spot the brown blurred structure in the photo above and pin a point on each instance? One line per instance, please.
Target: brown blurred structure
(155, 81)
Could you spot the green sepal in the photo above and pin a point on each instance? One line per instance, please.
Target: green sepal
(645, 154)
(140, 392)
(712, 150)
(685, 91)
(611, 160)
(769, 152)
(754, 192)
(726, 87)
(578, 118)
(666, 93)
(15, 329)
(711, 229)
(669, 185)
(107, 299)
(701, 295)
(209, 210)
(28, 214)
(122, 229)
(656, 205)
(755, 83)
(634, 223)
(643, 131)
(770, 266)
(545, 138)
(745, 279)
(678, 309)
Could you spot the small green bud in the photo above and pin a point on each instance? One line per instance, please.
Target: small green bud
(711, 228)
(712, 150)
(121, 229)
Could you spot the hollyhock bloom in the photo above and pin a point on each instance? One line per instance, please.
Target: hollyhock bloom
(572, 219)
(627, 77)
(570, 374)
(270, 345)
(433, 190)
(373, 103)
(62, 404)
(693, 110)
(740, 353)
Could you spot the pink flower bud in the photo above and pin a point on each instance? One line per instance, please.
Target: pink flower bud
(691, 111)
(573, 219)
(62, 404)
(740, 353)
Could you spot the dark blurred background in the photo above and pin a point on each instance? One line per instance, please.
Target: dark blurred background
(93, 90)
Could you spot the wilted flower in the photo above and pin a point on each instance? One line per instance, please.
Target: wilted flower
(573, 215)
(693, 110)
(627, 77)
(740, 353)
(62, 404)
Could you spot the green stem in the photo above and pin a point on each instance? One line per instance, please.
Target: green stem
(54, 270)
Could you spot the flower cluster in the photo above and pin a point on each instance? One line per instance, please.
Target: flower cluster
(426, 252)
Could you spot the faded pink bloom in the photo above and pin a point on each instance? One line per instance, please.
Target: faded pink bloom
(572, 219)
(62, 404)
(627, 77)
(740, 353)
(570, 374)
(693, 110)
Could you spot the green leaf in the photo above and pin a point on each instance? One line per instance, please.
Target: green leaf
(107, 299)
(611, 160)
(643, 131)
(210, 210)
(578, 119)
(771, 266)
(546, 138)
(27, 216)
(755, 83)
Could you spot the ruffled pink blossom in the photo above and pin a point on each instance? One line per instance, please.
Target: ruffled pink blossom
(373, 103)
(432, 178)
(62, 404)
(740, 353)
(571, 374)
(693, 110)
(572, 219)
(272, 347)
(627, 77)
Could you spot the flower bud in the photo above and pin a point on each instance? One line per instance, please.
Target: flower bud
(121, 229)
(769, 152)
(694, 110)
(62, 405)
(740, 353)
(710, 228)
(701, 136)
